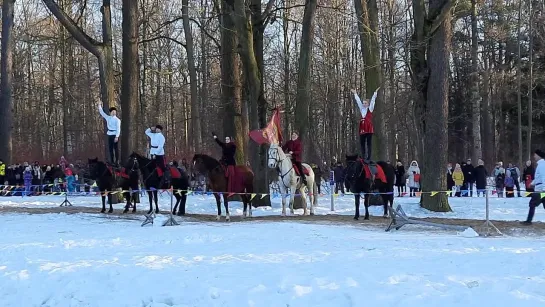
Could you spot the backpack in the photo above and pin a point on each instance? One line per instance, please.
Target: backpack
(514, 174)
(509, 182)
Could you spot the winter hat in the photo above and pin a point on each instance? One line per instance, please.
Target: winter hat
(159, 127)
(540, 153)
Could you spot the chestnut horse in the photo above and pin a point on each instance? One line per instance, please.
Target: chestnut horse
(217, 182)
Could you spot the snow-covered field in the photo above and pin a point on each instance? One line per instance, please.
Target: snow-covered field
(463, 207)
(97, 260)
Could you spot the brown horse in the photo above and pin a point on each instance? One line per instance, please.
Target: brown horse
(217, 182)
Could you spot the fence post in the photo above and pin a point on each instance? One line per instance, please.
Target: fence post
(331, 189)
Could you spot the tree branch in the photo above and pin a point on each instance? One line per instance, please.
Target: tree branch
(71, 26)
(206, 32)
(162, 37)
(440, 18)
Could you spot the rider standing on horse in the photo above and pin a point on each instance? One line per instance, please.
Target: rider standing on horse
(157, 151)
(294, 147)
(114, 130)
(228, 151)
(366, 127)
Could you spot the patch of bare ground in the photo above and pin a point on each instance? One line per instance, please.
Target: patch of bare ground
(512, 228)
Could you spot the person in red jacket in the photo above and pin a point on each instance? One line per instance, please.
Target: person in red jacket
(295, 149)
(366, 127)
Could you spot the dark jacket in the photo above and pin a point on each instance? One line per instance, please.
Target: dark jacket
(228, 151)
(294, 146)
(450, 180)
(339, 173)
(468, 173)
(400, 176)
(480, 174)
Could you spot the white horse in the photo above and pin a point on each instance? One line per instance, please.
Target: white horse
(289, 181)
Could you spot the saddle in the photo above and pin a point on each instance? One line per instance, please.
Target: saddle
(174, 172)
(298, 172)
(118, 172)
(373, 171)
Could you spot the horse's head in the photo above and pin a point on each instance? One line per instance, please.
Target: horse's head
(132, 164)
(275, 155)
(353, 171)
(199, 164)
(94, 168)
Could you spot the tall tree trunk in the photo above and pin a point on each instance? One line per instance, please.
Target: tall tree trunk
(101, 50)
(6, 82)
(475, 94)
(303, 75)
(231, 94)
(129, 80)
(431, 80)
(190, 49)
(531, 85)
(519, 85)
(367, 15)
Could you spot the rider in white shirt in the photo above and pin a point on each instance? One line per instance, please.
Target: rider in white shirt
(114, 130)
(539, 186)
(157, 150)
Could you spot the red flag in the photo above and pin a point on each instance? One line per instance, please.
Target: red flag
(270, 134)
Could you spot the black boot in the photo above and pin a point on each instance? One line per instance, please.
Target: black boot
(530, 217)
(304, 180)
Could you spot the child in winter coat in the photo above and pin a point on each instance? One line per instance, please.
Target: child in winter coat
(414, 178)
(458, 177)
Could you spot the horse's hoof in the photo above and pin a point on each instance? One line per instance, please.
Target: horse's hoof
(111, 210)
(312, 213)
(150, 212)
(283, 213)
(366, 218)
(157, 211)
(218, 217)
(103, 210)
(134, 210)
(126, 210)
(305, 213)
(227, 219)
(356, 218)
(385, 216)
(180, 214)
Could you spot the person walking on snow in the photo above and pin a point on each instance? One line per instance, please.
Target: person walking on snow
(157, 151)
(366, 127)
(113, 124)
(539, 187)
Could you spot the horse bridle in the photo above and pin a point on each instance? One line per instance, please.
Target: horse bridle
(278, 162)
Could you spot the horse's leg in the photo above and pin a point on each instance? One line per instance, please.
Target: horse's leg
(366, 203)
(249, 202)
(103, 197)
(293, 189)
(226, 205)
(177, 196)
(218, 203)
(127, 196)
(357, 204)
(110, 201)
(150, 198)
(182, 204)
(155, 196)
(133, 200)
(283, 196)
(304, 200)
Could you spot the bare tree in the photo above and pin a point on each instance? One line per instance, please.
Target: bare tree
(6, 83)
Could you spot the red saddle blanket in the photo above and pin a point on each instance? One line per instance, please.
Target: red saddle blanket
(118, 172)
(379, 173)
(235, 178)
(298, 173)
(174, 172)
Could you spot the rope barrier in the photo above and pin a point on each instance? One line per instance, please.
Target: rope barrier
(9, 188)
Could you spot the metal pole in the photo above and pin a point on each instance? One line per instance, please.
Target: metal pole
(331, 188)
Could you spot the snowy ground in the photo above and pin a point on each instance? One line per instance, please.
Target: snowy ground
(88, 260)
(100, 260)
(463, 208)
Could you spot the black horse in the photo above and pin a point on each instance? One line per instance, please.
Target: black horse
(357, 181)
(107, 179)
(150, 176)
